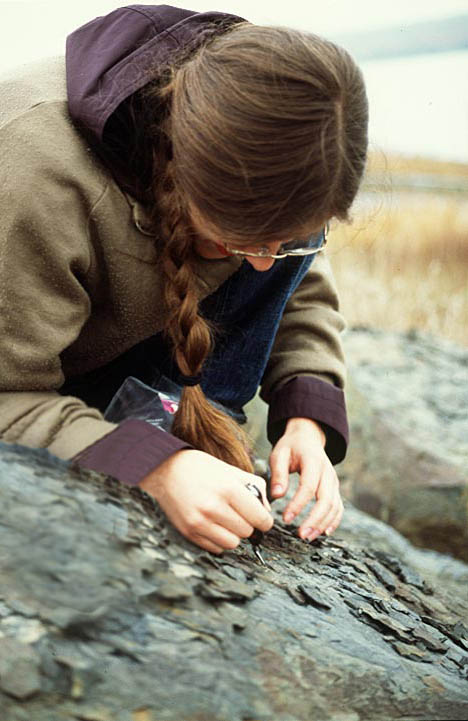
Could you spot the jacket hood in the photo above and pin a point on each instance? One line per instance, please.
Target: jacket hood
(111, 57)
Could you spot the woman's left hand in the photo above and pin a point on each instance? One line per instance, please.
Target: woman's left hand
(301, 450)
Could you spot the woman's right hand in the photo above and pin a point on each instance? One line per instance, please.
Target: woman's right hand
(207, 500)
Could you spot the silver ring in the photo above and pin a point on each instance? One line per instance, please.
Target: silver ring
(255, 490)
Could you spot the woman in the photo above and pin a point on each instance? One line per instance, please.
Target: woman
(165, 210)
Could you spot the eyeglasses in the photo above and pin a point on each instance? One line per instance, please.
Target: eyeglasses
(314, 244)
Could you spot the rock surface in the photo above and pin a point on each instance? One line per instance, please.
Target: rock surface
(108, 614)
(446, 574)
(408, 461)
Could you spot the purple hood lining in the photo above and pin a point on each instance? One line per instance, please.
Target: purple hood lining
(113, 56)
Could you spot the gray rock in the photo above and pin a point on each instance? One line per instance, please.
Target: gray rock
(134, 623)
(408, 461)
(19, 669)
(447, 574)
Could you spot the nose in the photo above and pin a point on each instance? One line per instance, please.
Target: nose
(260, 264)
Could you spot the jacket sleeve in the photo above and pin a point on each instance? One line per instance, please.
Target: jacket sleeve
(305, 375)
(45, 255)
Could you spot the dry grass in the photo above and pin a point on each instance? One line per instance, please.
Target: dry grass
(403, 262)
(379, 162)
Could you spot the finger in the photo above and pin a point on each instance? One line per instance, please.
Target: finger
(217, 536)
(308, 485)
(279, 465)
(261, 485)
(315, 525)
(322, 516)
(206, 544)
(248, 479)
(233, 522)
(323, 521)
(331, 527)
(249, 507)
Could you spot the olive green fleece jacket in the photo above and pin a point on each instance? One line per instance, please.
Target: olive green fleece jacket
(80, 281)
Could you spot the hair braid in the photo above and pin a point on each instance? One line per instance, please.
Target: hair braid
(196, 421)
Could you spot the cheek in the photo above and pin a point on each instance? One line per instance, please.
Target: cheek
(222, 250)
(211, 251)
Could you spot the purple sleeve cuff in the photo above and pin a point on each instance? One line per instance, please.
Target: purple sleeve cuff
(130, 452)
(309, 397)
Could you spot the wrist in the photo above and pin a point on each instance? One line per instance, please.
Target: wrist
(309, 425)
(154, 480)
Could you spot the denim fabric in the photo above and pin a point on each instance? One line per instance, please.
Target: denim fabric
(246, 309)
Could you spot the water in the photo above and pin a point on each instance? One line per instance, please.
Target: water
(419, 104)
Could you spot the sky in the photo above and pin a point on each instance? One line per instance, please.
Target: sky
(35, 28)
(32, 27)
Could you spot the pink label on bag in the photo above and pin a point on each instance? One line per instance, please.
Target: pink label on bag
(170, 406)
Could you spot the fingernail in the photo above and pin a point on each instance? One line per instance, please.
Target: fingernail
(277, 490)
(329, 531)
(288, 517)
(311, 534)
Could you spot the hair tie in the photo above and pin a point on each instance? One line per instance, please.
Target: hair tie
(190, 380)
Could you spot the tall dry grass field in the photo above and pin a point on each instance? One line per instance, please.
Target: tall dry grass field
(403, 262)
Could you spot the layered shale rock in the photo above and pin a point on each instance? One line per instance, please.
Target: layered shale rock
(408, 461)
(108, 614)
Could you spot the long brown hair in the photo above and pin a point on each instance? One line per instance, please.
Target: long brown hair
(264, 131)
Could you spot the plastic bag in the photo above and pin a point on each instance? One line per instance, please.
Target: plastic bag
(135, 399)
(156, 405)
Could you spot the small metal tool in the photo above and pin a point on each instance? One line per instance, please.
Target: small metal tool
(257, 536)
